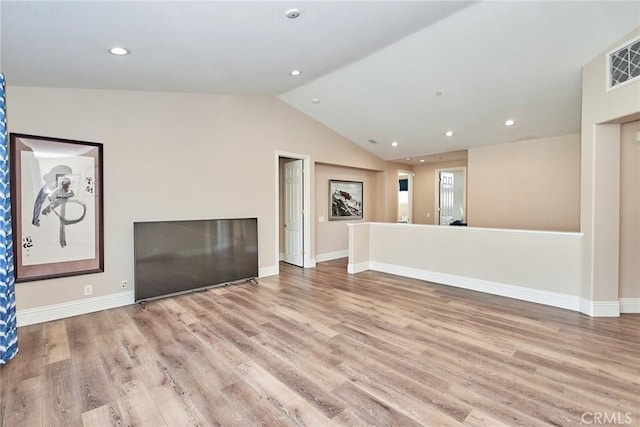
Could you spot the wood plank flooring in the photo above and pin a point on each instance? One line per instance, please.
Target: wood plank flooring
(319, 347)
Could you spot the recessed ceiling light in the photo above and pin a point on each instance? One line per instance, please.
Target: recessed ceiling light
(422, 160)
(509, 122)
(408, 158)
(315, 100)
(295, 72)
(394, 144)
(449, 133)
(119, 51)
(292, 13)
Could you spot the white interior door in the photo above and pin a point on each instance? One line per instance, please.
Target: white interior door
(446, 197)
(293, 213)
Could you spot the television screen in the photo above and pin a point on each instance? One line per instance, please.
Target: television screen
(178, 256)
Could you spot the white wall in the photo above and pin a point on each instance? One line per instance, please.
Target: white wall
(586, 271)
(531, 185)
(179, 156)
(332, 237)
(170, 156)
(630, 211)
(424, 194)
(602, 112)
(543, 267)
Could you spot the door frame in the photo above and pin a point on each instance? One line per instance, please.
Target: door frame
(411, 175)
(436, 219)
(307, 261)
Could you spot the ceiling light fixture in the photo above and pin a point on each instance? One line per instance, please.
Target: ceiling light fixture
(449, 133)
(394, 144)
(292, 13)
(119, 51)
(295, 73)
(315, 100)
(509, 122)
(422, 160)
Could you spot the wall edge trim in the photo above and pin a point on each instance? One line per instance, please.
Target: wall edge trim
(553, 299)
(358, 268)
(600, 308)
(629, 305)
(52, 312)
(332, 255)
(268, 271)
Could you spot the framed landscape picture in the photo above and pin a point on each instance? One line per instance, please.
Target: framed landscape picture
(57, 207)
(345, 200)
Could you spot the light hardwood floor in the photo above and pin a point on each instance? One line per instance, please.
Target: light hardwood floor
(319, 347)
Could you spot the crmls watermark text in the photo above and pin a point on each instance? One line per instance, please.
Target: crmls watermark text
(608, 418)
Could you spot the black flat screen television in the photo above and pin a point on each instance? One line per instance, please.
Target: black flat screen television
(173, 257)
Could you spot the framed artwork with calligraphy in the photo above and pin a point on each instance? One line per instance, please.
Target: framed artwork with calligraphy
(57, 207)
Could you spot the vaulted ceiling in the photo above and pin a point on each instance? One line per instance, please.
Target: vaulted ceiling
(388, 71)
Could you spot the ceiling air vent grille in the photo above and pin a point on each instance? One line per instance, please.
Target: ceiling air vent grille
(624, 64)
(373, 141)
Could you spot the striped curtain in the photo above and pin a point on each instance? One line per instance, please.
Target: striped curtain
(8, 332)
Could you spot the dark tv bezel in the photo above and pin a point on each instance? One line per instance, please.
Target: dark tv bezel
(198, 288)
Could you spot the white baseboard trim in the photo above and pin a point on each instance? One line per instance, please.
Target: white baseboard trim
(600, 308)
(358, 268)
(268, 271)
(553, 299)
(73, 308)
(89, 305)
(274, 270)
(629, 305)
(332, 255)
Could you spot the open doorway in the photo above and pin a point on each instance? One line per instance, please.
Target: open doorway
(293, 223)
(451, 196)
(405, 196)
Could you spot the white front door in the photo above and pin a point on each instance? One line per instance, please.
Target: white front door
(293, 213)
(446, 197)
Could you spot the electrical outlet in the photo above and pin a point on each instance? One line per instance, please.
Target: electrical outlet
(88, 289)
(124, 284)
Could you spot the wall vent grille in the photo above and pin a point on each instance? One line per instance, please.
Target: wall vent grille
(624, 64)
